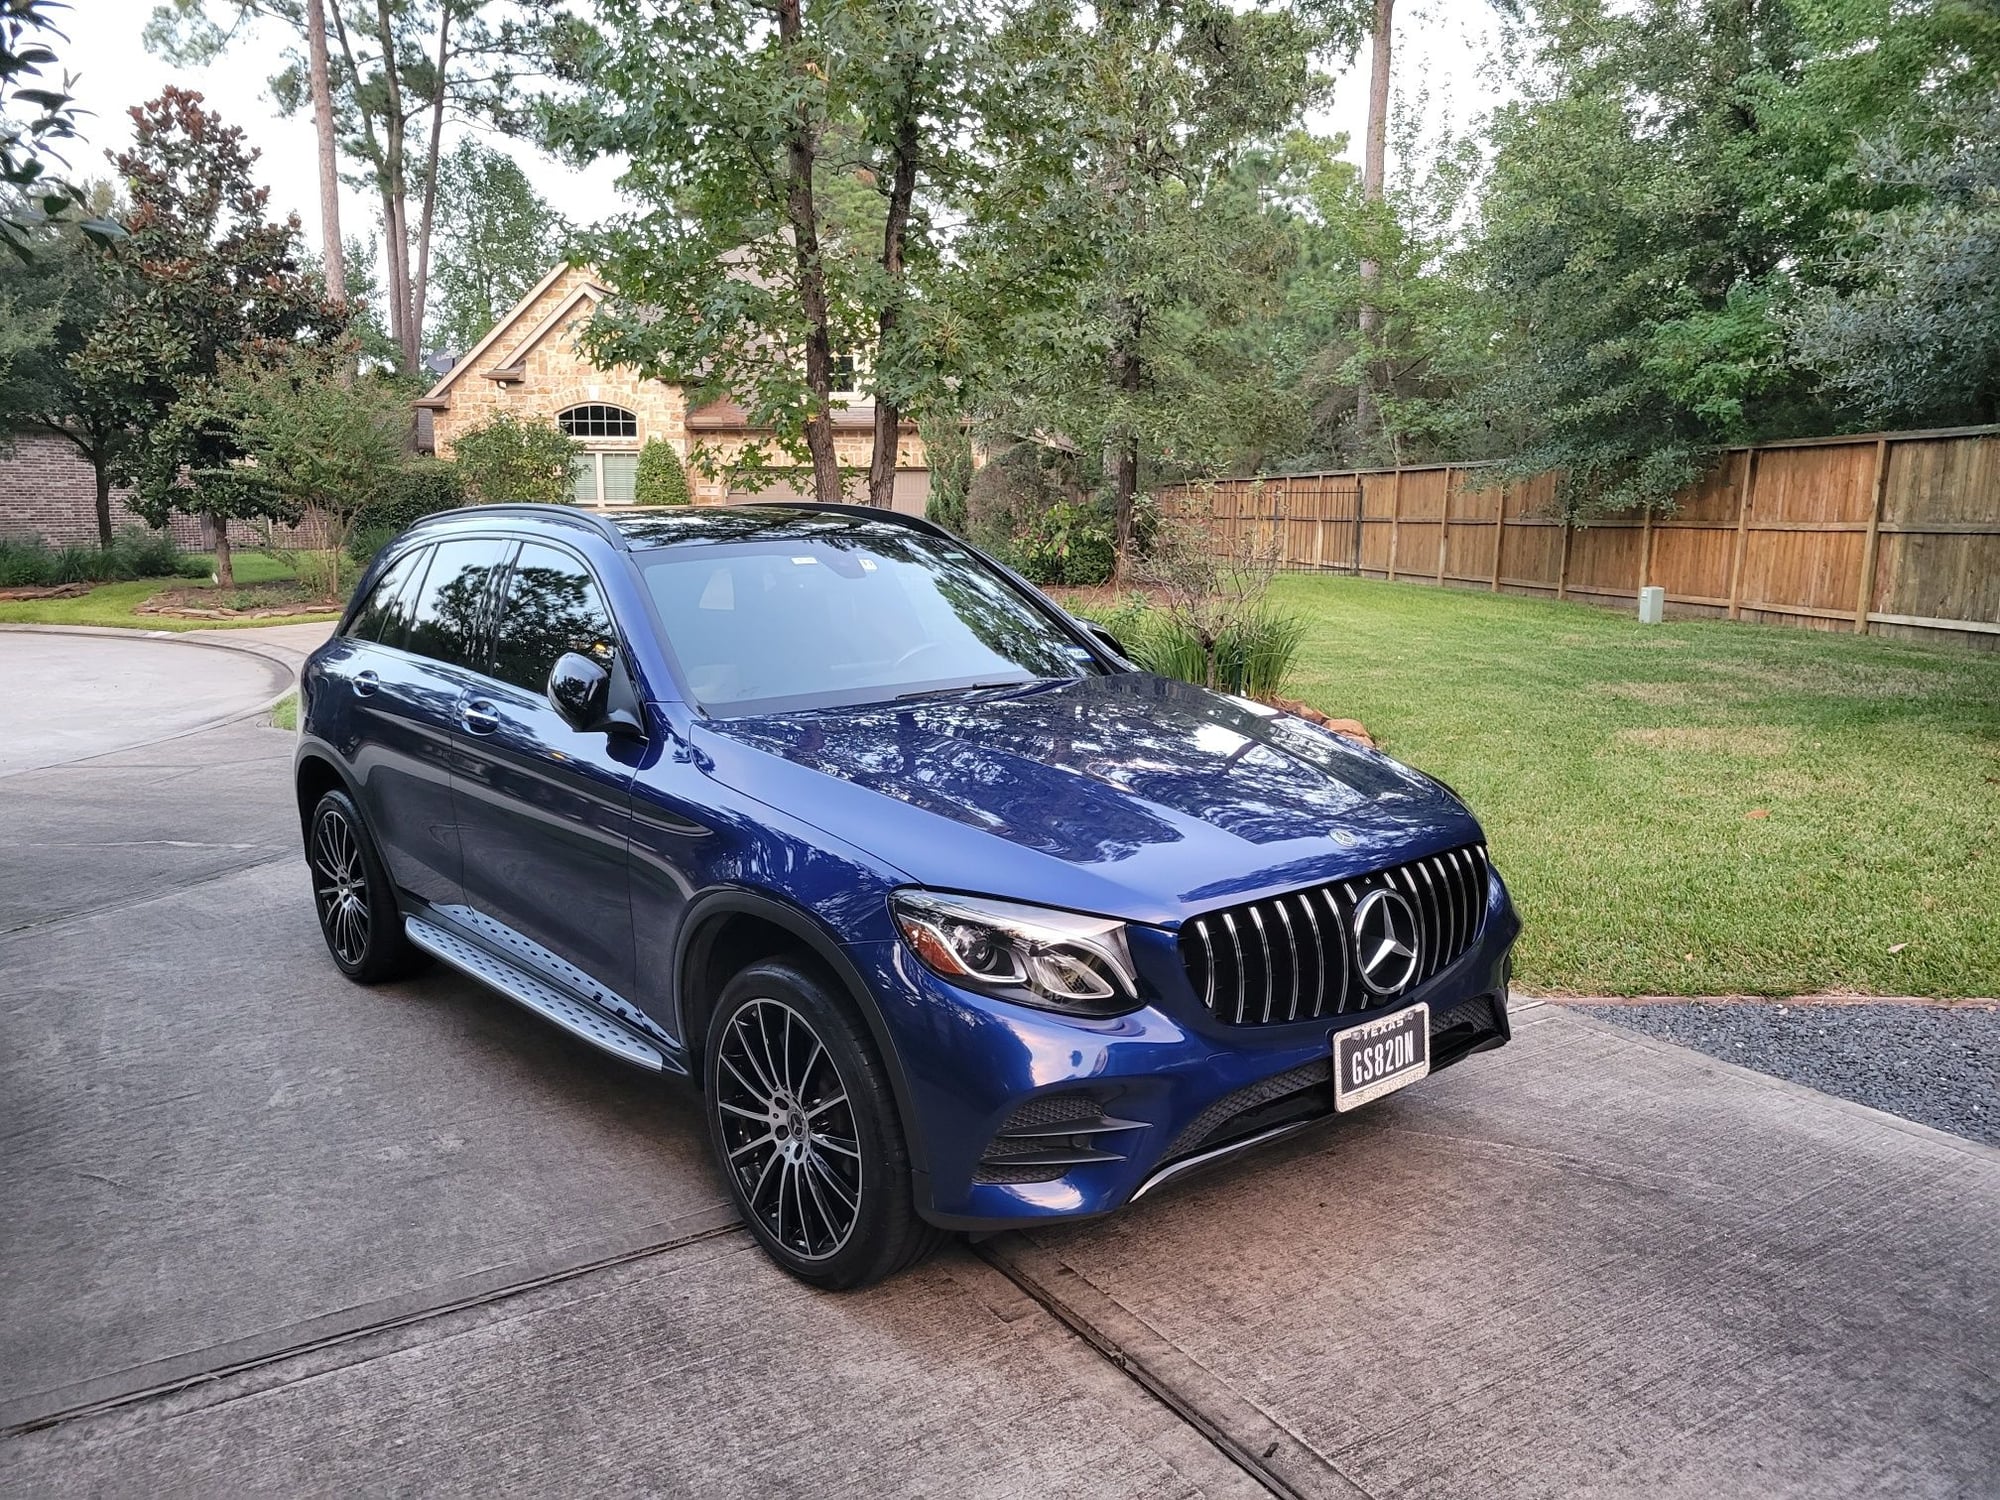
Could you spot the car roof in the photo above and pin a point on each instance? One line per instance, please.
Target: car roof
(635, 531)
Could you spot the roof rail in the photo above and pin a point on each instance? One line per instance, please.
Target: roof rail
(561, 515)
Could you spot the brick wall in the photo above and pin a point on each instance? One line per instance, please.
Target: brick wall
(47, 490)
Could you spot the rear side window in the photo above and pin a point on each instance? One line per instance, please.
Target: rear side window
(553, 605)
(386, 615)
(451, 606)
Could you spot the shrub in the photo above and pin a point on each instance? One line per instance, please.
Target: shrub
(948, 451)
(1251, 657)
(1068, 544)
(661, 479)
(32, 563)
(513, 462)
(1017, 486)
(419, 487)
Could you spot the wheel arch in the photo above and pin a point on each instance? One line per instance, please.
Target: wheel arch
(313, 776)
(724, 931)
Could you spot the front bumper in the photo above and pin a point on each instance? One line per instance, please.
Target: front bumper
(1120, 1106)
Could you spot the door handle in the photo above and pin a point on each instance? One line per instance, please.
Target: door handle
(365, 684)
(479, 716)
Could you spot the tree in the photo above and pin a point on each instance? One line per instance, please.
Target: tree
(661, 479)
(1118, 249)
(397, 68)
(36, 117)
(727, 283)
(496, 237)
(50, 305)
(509, 461)
(311, 443)
(204, 283)
(1908, 328)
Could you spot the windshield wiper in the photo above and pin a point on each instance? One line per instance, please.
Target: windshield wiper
(968, 687)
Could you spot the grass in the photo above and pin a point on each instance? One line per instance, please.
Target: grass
(117, 604)
(285, 713)
(1696, 807)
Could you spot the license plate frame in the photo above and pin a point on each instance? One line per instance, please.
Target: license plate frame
(1380, 1072)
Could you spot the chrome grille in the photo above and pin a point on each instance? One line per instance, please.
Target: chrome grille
(1291, 957)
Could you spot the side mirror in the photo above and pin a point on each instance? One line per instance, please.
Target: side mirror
(580, 689)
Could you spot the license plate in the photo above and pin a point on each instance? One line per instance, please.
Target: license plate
(1380, 1057)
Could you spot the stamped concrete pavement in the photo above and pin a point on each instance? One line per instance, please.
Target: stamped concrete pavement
(269, 1232)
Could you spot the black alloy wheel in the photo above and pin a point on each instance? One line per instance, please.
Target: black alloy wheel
(806, 1132)
(351, 893)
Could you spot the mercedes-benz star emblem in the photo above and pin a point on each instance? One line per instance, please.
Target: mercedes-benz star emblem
(1385, 940)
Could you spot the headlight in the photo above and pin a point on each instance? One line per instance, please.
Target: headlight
(1053, 959)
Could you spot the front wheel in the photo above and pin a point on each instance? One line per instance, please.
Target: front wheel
(805, 1130)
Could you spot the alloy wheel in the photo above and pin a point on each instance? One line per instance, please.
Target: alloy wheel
(340, 887)
(788, 1129)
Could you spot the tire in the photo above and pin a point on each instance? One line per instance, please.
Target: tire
(352, 896)
(833, 1205)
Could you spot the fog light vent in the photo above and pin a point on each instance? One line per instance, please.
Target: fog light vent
(1050, 1137)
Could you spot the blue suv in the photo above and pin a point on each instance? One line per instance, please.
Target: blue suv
(958, 920)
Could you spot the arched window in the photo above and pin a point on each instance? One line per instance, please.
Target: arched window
(598, 421)
(607, 471)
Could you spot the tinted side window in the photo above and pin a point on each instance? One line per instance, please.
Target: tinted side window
(452, 603)
(386, 615)
(553, 605)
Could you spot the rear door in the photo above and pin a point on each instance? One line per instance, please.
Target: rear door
(408, 682)
(545, 810)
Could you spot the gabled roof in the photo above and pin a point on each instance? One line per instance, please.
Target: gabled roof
(506, 365)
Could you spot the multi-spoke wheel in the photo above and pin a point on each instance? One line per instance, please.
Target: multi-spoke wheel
(340, 886)
(357, 909)
(788, 1128)
(806, 1130)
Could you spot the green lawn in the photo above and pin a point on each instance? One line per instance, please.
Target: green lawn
(1691, 808)
(117, 604)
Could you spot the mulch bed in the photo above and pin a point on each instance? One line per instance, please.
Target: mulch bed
(277, 599)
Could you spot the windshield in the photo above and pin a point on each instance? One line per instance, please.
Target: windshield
(846, 612)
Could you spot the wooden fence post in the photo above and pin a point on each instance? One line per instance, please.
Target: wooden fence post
(1444, 524)
(1499, 536)
(1864, 594)
(1743, 492)
(1646, 547)
(1562, 568)
(1395, 516)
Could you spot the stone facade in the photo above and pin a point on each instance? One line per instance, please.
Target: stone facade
(530, 367)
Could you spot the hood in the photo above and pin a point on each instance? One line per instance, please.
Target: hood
(1130, 795)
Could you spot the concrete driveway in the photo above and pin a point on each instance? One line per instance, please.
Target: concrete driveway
(271, 1232)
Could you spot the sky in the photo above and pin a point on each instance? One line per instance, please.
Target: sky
(1442, 48)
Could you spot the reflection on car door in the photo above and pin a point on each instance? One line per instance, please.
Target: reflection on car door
(545, 809)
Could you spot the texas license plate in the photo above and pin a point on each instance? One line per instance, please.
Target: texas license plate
(1381, 1056)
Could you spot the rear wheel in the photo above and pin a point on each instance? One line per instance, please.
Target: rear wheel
(805, 1130)
(352, 895)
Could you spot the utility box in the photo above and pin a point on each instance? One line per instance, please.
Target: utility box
(1652, 605)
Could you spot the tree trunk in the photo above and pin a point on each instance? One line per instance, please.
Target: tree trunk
(895, 236)
(225, 567)
(1367, 414)
(102, 474)
(334, 253)
(1128, 373)
(800, 151)
(420, 293)
(396, 192)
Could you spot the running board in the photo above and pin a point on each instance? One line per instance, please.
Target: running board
(584, 1022)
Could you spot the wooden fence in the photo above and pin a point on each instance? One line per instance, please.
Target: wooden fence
(1891, 533)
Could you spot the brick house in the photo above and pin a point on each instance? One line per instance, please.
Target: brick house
(529, 366)
(48, 490)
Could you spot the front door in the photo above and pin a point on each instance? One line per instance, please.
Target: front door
(545, 810)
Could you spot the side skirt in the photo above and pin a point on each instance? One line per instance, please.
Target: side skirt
(583, 1021)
